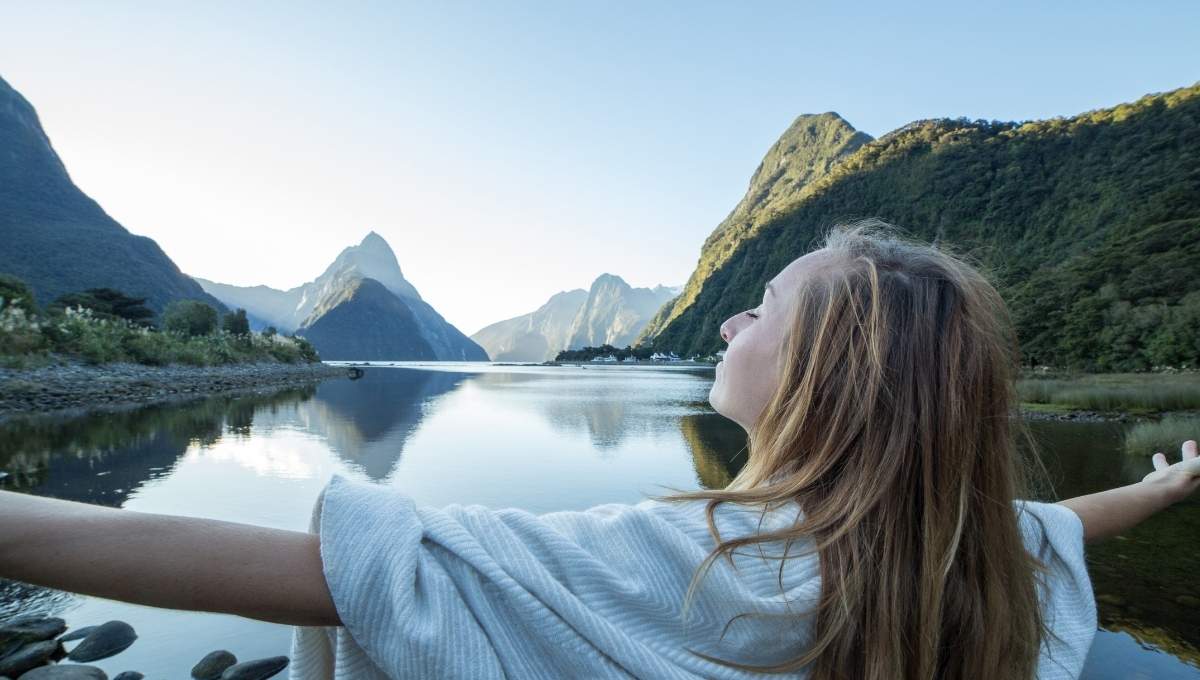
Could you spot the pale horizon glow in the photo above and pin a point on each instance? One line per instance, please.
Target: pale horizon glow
(511, 151)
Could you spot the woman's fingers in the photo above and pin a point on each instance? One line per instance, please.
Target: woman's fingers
(1160, 461)
(1189, 449)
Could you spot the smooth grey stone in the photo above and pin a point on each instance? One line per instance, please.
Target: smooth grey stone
(30, 656)
(213, 664)
(107, 639)
(129, 675)
(257, 669)
(77, 634)
(17, 632)
(66, 671)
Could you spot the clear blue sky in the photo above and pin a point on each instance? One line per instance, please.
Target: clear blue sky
(511, 150)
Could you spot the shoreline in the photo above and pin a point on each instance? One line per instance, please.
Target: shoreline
(1085, 416)
(76, 388)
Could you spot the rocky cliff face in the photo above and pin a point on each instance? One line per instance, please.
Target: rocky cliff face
(804, 154)
(611, 312)
(333, 306)
(56, 238)
(536, 336)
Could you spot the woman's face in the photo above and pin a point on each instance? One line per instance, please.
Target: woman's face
(749, 373)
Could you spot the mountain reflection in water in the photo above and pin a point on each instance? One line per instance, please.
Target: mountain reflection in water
(540, 438)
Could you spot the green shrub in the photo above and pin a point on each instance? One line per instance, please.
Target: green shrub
(20, 332)
(15, 293)
(308, 353)
(107, 303)
(151, 347)
(189, 317)
(81, 332)
(1166, 435)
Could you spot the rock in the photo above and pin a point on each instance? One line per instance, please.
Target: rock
(213, 664)
(129, 675)
(77, 634)
(107, 639)
(31, 655)
(66, 671)
(18, 632)
(257, 669)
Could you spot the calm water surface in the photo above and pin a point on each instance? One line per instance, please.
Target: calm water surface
(538, 438)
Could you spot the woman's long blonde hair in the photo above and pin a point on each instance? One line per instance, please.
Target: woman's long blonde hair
(894, 428)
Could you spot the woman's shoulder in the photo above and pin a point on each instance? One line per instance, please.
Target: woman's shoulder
(1050, 526)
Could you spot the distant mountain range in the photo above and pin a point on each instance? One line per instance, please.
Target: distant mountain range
(57, 239)
(609, 312)
(1090, 225)
(360, 308)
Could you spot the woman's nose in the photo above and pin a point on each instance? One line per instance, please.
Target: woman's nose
(727, 329)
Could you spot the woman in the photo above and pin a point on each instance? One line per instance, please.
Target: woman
(872, 533)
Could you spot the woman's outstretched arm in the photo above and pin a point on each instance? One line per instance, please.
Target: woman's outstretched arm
(1115, 511)
(165, 560)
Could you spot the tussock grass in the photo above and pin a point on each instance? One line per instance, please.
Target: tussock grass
(1166, 435)
(1116, 392)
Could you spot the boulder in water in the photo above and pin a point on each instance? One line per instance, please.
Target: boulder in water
(107, 639)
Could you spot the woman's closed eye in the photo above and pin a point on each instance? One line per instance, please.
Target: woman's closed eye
(751, 313)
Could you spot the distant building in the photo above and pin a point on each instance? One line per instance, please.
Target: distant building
(609, 359)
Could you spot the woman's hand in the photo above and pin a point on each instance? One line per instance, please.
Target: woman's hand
(1109, 513)
(1180, 480)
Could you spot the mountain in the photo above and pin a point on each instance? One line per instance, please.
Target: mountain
(60, 241)
(537, 336)
(363, 320)
(1089, 225)
(360, 303)
(611, 312)
(806, 152)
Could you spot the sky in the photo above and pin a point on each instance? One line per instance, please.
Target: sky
(511, 150)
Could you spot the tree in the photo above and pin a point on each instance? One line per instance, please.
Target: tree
(189, 317)
(16, 293)
(108, 303)
(236, 323)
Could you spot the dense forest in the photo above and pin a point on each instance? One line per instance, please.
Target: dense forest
(1089, 225)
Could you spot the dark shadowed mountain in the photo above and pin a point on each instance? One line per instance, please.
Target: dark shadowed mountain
(60, 241)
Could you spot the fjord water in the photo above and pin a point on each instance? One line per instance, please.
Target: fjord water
(535, 437)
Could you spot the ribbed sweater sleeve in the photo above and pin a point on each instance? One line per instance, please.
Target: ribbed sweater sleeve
(1053, 533)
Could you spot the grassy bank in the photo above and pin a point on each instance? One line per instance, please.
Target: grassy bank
(1165, 435)
(28, 340)
(1128, 392)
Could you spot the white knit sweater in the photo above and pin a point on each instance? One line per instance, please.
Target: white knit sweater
(470, 592)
